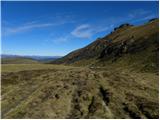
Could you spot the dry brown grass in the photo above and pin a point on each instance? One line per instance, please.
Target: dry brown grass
(53, 91)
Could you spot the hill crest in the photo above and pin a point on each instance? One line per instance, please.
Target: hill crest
(125, 40)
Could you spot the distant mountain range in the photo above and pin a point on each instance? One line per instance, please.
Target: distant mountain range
(34, 57)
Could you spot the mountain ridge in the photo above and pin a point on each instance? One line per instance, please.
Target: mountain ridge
(135, 39)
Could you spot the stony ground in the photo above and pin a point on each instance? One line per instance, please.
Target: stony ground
(78, 92)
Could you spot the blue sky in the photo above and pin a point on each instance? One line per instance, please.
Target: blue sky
(57, 28)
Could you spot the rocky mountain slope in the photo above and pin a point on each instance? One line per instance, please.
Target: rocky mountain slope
(139, 44)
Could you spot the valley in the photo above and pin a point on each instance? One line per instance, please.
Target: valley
(116, 76)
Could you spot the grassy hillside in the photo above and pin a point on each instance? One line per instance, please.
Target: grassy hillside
(127, 45)
(18, 60)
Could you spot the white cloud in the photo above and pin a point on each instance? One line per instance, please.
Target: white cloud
(82, 31)
(102, 28)
(61, 39)
(138, 13)
(133, 17)
(31, 25)
(87, 31)
(26, 28)
(145, 18)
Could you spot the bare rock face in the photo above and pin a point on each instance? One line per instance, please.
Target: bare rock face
(123, 26)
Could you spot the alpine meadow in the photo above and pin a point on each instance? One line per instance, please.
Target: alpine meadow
(80, 60)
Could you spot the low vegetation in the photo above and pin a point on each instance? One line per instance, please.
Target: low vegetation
(18, 60)
(56, 91)
(102, 80)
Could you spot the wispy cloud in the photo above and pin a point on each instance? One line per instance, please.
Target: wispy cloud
(87, 31)
(145, 18)
(28, 27)
(61, 39)
(82, 31)
(32, 25)
(138, 13)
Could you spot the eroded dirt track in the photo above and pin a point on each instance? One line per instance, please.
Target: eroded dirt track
(79, 93)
